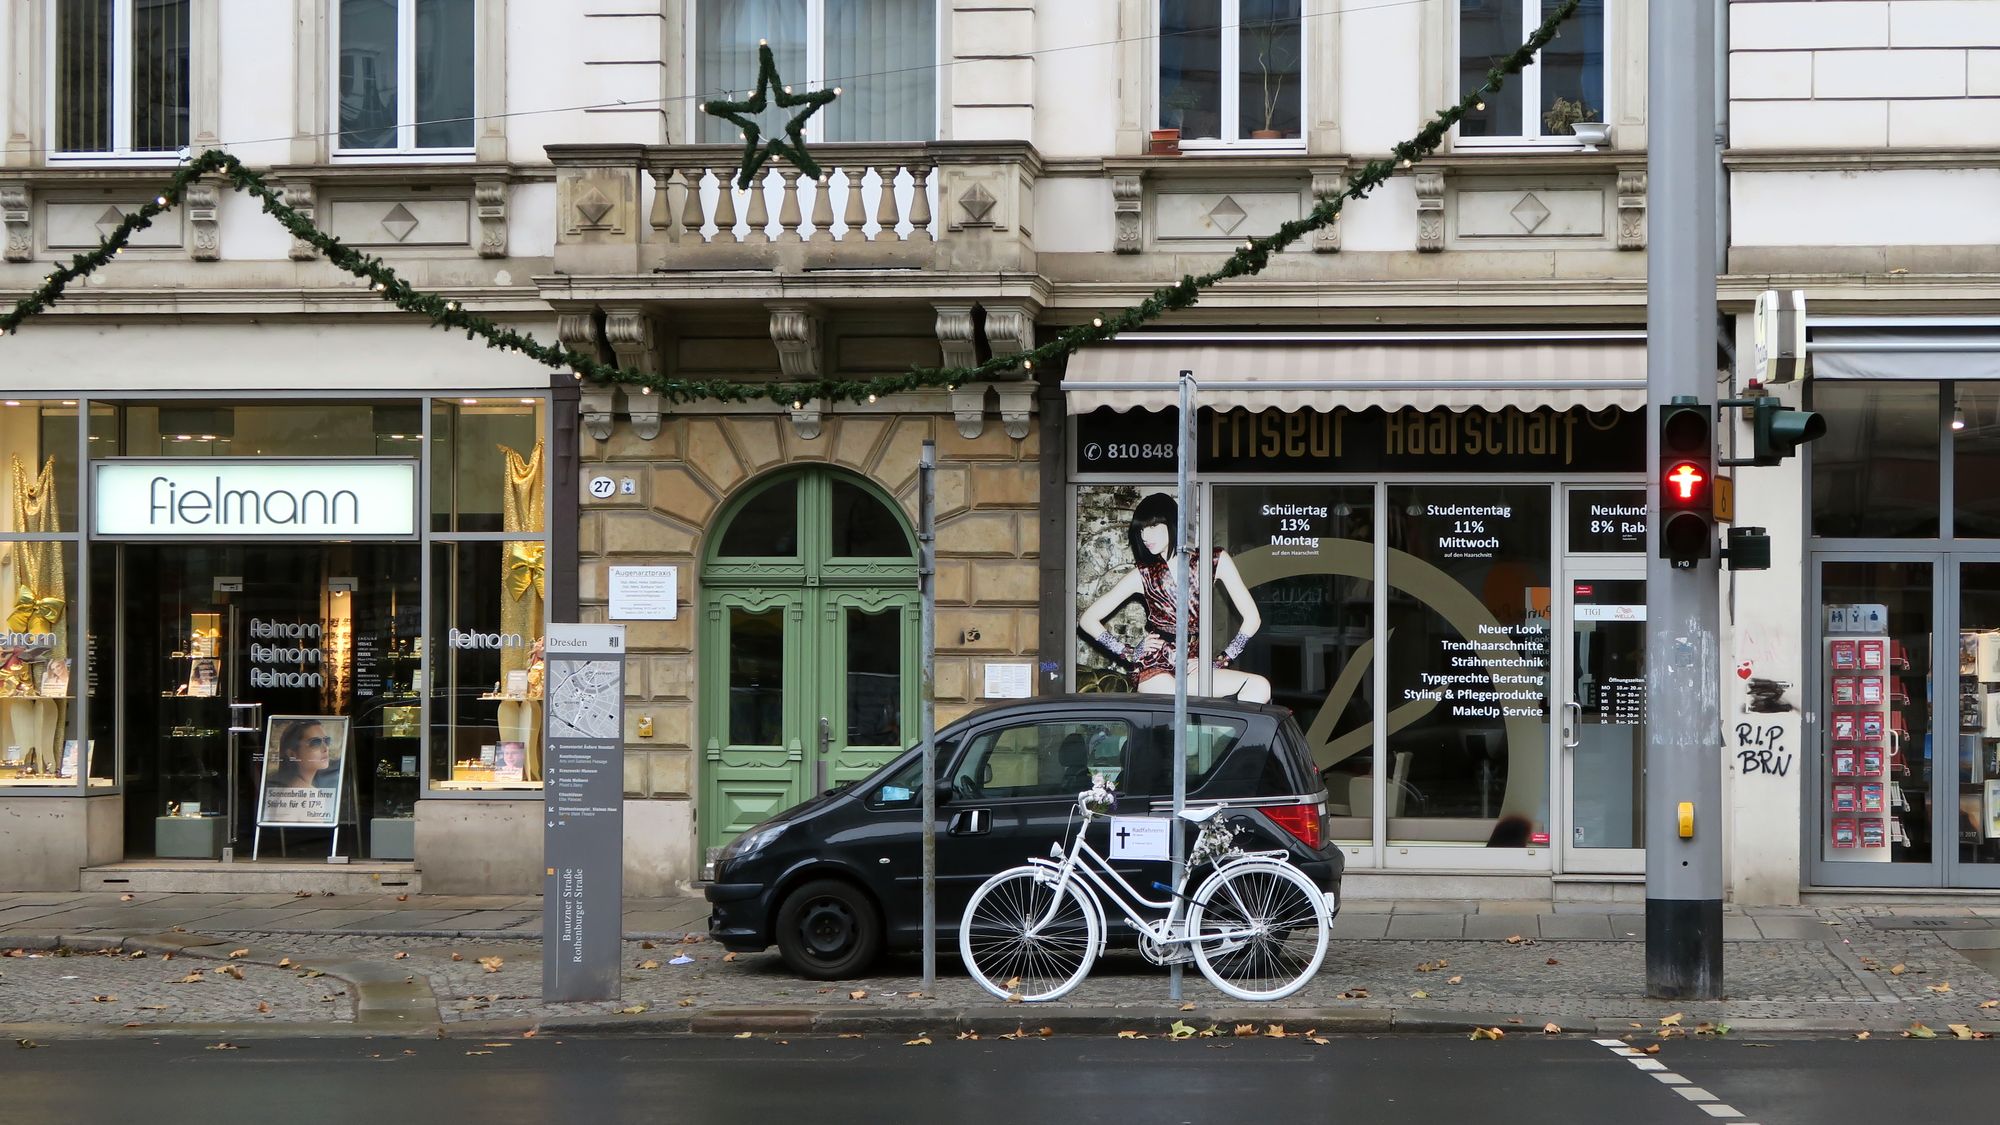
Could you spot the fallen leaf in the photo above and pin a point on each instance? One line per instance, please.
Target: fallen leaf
(478, 1052)
(230, 971)
(1454, 980)
(402, 898)
(647, 945)
(1861, 1035)
(263, 1007)
(1487, 1033)
(26, 1044)
(729, 957)
(236, 953)
(1919, 1031)
(224, 1046)
(1432, 966)
(1181, 1029)
(1275, 1031)
(152, 1007)
(1898, 970)
(1962, 1031)
(124, 898)
(457, 956)
(858, 994)
(1516, 939)
(1420, 994)
(1245, 1030)
(1130, 1035)
(398, 955)
(1317, 1039)
(1552, 961)
(1989, 1003)
(1355, 994)
(1711, 1029)
(919, 1041)
(1651, 1048)
(685, 1002)
(531, 1033)
(1671, 1021)
(1045, 1032)
(635, 1009)
(302, 894)
(1551, 1029)
(649, 964)
(492, 964)
(195, 977)
(1014, 998)
(311, 973)
(968, 1035)
(1017, 1033)
(1941, 987)
(135, 955)
(1012, 983)
(1190, 1007)
(917, 996)
(284, 962)
(132, 1023)
(854, 1035)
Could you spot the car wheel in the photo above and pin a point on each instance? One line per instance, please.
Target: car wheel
(829, 930)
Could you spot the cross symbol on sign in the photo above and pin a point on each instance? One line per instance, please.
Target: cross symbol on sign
(1124, 835)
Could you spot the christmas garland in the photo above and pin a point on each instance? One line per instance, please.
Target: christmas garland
(445, 313)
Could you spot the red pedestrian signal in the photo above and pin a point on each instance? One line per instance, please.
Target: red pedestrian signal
(1687, 476)
(1686, 482)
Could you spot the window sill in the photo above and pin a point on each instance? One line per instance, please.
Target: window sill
(413, 156)
(1230, 148)
(113, 160)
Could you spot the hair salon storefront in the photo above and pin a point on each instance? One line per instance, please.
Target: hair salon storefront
(1445, 584)
(284, 625)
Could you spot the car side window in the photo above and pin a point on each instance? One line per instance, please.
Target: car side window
(903, 788)
(1048, 759)
(1150, 770)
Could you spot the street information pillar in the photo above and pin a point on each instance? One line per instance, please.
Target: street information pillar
(583, 807)
(1683, 667)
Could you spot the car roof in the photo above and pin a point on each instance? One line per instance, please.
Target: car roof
(1121, 701)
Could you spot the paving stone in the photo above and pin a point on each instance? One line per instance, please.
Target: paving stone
(1426, 925)
(1500, 927)
(1576, 926)
(1797, 928)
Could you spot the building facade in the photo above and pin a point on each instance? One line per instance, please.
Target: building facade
(1420, 437)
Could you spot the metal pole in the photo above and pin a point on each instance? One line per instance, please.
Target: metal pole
(1683, 672)
(927, 705)
(1184, 556)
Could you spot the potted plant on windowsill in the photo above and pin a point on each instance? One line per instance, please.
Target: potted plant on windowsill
(1275, 64)
(1173, 113)
(1565, 117)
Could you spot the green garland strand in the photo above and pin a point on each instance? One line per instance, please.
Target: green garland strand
(743, 115)
(445, 313)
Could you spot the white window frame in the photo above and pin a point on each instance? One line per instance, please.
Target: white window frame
(121, 94)
(1527, 85)
(815, 132)
(406, 90)
(1232, 92)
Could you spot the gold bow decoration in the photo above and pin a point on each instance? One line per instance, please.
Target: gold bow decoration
(35, 615)
(524, 569)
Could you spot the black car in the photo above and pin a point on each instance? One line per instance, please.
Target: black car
(836, 880)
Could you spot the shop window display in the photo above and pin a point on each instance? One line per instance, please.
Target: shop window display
(1879, 775)
(38, 684)
(487, 688)
(1468, 647)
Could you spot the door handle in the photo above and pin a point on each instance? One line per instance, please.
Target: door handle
(1574, 734)
(825, 749)
(970, 822)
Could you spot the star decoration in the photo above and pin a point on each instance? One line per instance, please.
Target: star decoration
(743, 115)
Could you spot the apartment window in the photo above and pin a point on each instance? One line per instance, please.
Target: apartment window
(121, 76)
(881, 53)
(405, 75)
(1564, 85)
(1230, 71)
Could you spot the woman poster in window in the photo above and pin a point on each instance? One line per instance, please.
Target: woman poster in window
(305, 757)
(1153, 579)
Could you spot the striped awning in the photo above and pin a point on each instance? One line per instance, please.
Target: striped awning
(1320, 371)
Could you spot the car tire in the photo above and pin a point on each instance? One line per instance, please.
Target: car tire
(829, 929)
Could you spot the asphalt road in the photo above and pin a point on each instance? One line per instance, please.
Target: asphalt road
(1392, 1081)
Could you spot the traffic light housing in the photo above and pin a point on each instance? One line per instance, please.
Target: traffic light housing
(1778, 431)
(1687, 482)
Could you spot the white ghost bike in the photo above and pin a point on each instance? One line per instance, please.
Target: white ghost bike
(1255, 925)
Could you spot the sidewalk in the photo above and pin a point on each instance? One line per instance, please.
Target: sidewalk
(236, 965)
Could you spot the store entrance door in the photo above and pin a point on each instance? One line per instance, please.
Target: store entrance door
(1603, 702)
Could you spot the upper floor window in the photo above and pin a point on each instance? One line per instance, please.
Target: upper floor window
(1563, 86)
(882, 54)
(121, 77)
(1230, 71)
(405, 72)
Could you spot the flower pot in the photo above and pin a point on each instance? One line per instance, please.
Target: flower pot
(1267, 134)
(1164, 142)
(1591, 133)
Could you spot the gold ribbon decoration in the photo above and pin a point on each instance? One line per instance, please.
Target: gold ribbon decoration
(524, 569)
(34, 615)
(17, 677)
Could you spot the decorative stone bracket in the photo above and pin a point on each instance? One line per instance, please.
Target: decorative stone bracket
(1128, 202)
(1017, 407)
(204, 229)
(808, 418)
(1632, 209)
(957, 340)
(300, 196)
(16, 215)
(489, 201)
(1430, 212)
(795, 331)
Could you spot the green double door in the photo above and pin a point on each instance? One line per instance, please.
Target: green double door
(809, 661)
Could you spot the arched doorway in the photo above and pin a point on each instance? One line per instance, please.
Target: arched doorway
(810, 617)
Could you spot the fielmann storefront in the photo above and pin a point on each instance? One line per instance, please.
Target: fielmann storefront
(310, 616)
(1430, 549)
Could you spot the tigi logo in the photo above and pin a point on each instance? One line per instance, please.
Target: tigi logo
(461, 639)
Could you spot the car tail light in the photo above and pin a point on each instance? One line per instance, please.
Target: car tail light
(1302, 821)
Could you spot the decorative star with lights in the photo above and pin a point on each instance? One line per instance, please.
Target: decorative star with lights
(743, 115)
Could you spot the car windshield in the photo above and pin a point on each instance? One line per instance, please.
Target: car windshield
(902, 786)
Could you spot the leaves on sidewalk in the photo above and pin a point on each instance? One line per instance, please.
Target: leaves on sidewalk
(1130, 1035)
(919, 1041)
(1455, 980)
(492, 964)
(1673, 1020)
(1898, 969)
(1420, 994)
(225, 1045)
(1275, 1031)
(1246, 1030)
(1918, 1031)
(1180, 1029)
(1354, 994)
(1964, 1031)
(231, 971)
(858, 994)
(108, 998)
(648, 965)
(973, 1035)
(632, 1010)
(685, 1002)
(1550, 1028)
(457, 956)
(1189, 1007)
(729, 957)
(398, 955)
(1479, 1033)
(1861, 1035)
(1432, 966)
(195, 977)
(234, 954)
(1941, 987)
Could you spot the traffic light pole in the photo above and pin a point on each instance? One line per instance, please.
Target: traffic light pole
(1683, 665)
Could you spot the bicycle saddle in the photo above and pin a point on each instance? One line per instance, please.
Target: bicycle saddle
(1197, 816)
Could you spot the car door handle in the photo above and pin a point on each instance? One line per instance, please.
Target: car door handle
(970, 822)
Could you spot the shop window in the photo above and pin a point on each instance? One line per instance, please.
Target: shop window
(1876, 472)
(1468, 638)
(38, 670)
(487, 471)
(405, 81)
(121, 77)
(486, 665)
(1231, 70)
(880, 53)
(1975, 456)
(267, 429)
(1879, 776)
(1564, 85)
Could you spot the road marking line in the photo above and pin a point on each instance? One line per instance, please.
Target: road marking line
(1609, 1042)
(1671, 1079)
(1622, 1049)
(1647, 1064)
(1720, 1110)
(1695, 1094)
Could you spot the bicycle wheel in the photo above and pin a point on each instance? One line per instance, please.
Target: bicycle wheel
(1018, 939)
(1259, 930)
